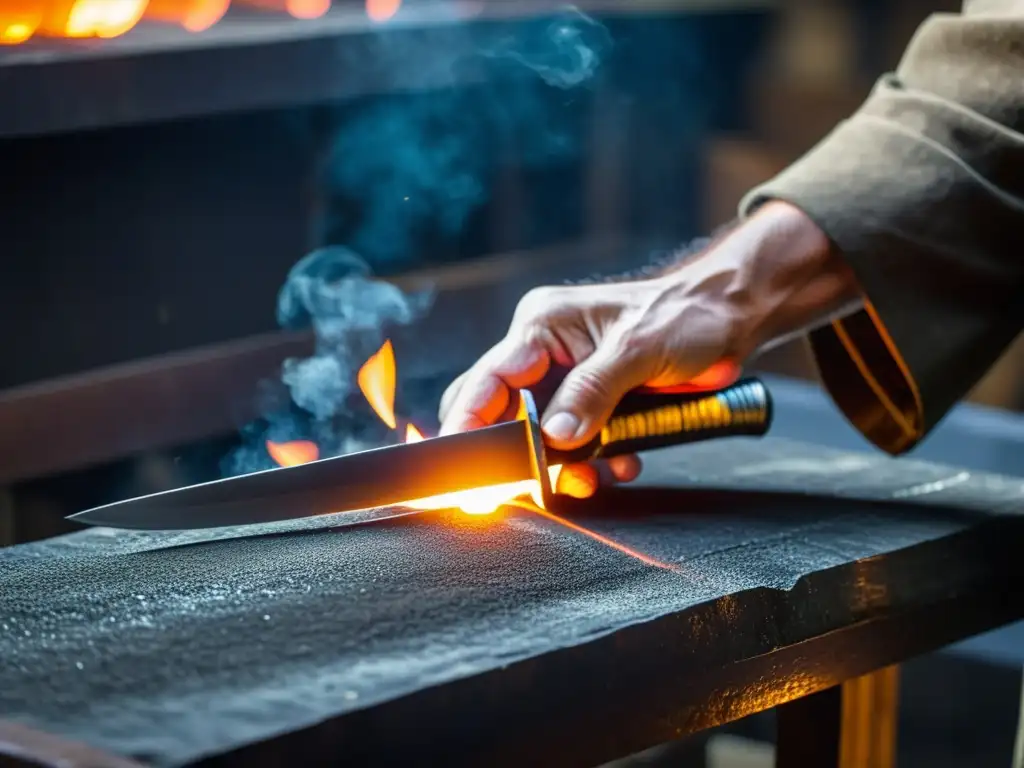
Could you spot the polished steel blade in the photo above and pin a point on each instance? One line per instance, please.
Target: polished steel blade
(377, 478)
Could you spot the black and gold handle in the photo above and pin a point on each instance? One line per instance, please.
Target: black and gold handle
(644, 420)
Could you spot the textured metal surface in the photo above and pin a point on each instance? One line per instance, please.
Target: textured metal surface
(437, 639)
(381, 476)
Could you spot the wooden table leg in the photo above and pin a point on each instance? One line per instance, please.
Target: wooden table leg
(852, 725)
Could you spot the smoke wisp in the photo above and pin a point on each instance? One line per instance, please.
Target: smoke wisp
(414, 166)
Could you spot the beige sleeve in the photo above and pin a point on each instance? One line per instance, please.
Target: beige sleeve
(922, 191)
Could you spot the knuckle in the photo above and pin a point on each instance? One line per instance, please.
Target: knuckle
(589, 384)
(538, 303)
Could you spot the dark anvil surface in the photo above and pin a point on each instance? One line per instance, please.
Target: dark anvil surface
(487, 641)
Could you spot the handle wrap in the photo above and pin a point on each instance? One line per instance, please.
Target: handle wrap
(644, 421)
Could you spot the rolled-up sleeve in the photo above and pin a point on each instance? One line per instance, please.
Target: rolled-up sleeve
(922, 192)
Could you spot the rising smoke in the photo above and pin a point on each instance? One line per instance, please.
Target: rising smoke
(409, 166)
(415, 165)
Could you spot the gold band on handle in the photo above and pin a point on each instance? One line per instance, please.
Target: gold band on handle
(742, 405)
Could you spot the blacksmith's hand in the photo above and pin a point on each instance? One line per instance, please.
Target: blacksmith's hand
(769, 277)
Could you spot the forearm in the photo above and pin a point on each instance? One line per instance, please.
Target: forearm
(773, 277)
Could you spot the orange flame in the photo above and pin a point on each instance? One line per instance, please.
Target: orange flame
(293, 453)
(382, 10)
(377, 380)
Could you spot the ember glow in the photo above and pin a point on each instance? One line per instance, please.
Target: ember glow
(308, 9)
(293, 453)
(19, 20)
(382, 10)
(97, 18)
(193, 15)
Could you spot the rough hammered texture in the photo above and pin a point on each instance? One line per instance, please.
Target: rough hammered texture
(175, 646)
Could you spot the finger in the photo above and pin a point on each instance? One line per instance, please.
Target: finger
(582, 480)
(577, 480)
(625, 469)
(588, 394)
(487, 388)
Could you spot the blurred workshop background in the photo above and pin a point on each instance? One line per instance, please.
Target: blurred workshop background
(166, 163)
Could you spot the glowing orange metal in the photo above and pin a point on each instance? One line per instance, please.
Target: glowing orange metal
(293, 453)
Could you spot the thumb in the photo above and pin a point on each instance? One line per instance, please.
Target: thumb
(587, 396)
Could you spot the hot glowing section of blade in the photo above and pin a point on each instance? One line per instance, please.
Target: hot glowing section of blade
(377, 381)
(480, 501)
(293, 453)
